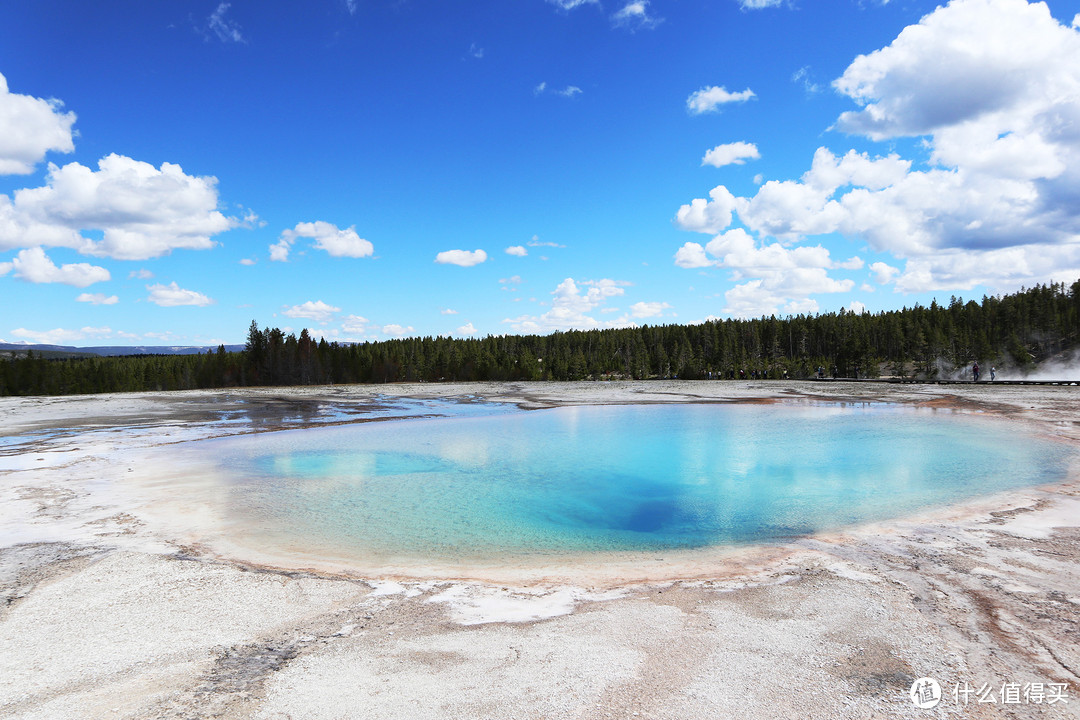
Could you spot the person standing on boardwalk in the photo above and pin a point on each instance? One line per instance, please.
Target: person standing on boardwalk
(993, 373)
(975, 371)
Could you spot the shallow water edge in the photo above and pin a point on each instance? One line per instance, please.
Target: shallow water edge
(119, 430)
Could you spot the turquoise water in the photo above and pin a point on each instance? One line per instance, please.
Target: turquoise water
(616, 478)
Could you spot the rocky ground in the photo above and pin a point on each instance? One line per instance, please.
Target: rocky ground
(106, 614)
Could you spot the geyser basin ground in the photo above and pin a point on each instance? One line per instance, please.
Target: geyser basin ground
(106, 611)
(536, 487)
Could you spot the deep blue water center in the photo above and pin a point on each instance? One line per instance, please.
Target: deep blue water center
(617, 478)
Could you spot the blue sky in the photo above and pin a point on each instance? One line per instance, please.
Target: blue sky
(171, 170)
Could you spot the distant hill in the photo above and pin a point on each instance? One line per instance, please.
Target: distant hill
(109, 350)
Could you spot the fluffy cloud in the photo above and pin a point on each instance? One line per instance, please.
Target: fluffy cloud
(33, 265)
(279, 251)
(993, 89)
(708, 216)
(1004, 267)
(709, 99)
(355, 324)
(517, 250)
(570, 306)
(974, 61)
(648, 309)
(791, 209)
(784, 277)
(466, 329)
(852, 263)
(317, 310)
(798, 270)
(635, 15)
(327, 236)
(143, 211)
(463, 258)
(735, 153)
(29, 128)
(883, 273)
(692, 255)
(757, 299)
(172, 295)
(396, 330)
(98, 298)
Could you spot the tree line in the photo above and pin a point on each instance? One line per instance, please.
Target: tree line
(1017, 330)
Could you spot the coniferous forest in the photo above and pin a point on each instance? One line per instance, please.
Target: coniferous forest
(1014, 331)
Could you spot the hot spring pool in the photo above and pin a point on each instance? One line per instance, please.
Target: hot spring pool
(609, 479)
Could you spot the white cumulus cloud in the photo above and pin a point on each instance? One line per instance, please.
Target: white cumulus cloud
(395, 330)
(172, 295)
(883, 272)
(327, 237)
(463, 258)
(648, 309)
(571, 305)
(29, 128)
(709, 99)
(708, 216)
(756, 299)
(143, 211)
(33, 265)
(692, 255)
(992, 90)
(356, 325)
(317, 310)
(777, 278)
(735, 153)
(517, 250)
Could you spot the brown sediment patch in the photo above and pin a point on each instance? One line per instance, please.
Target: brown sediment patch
(952, 402)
